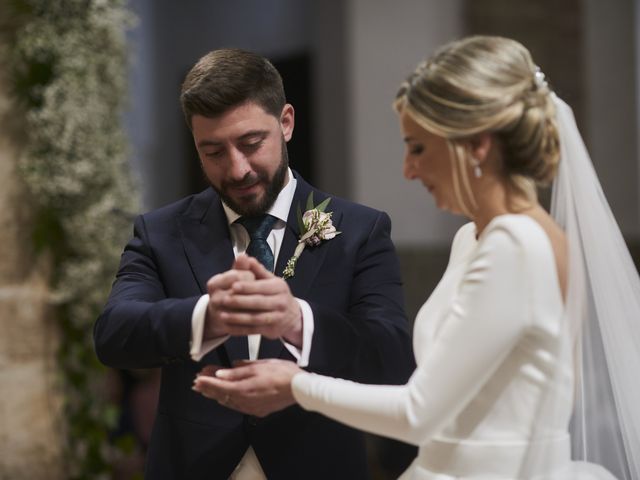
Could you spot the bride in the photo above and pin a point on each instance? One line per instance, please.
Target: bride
(536, 315)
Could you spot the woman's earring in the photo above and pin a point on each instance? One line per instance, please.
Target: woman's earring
(477, 171)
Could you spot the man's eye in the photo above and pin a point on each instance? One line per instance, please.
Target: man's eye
(253, 145)
(214, 154)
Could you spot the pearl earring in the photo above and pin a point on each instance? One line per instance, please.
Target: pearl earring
(477, 171)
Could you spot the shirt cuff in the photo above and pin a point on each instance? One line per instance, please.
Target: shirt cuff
(199, 347)
(302, 354)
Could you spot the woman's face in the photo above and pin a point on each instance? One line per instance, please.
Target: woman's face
(427, 159)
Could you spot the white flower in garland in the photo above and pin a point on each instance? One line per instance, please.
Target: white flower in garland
(315, 226)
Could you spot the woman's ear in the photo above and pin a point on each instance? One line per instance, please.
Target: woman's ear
(480, 146)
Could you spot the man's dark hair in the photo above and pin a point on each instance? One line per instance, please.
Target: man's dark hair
(228, 77)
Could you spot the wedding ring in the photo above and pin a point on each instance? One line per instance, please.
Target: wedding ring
(224, 400)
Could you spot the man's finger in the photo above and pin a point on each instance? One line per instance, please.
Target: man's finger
(220, 387)
(258, 269)
(242, 262)
(226, 279)
(210, 390)
(266, 286)
(236, 373)
(214, 387)
(252, 303)
(209, 370)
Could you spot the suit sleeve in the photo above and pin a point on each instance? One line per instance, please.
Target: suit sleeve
(140, 327)
(481, 327)
(370, 341)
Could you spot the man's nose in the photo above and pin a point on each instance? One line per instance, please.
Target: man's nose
(239, 164)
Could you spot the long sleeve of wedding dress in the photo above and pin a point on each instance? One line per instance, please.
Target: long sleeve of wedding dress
(476, 332)
(486, 345)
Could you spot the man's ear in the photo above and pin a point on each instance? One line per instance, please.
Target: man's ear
(287, 121)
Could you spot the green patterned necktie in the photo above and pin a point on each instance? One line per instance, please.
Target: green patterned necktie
(259, 228)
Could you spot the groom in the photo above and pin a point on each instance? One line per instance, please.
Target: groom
(180, 301)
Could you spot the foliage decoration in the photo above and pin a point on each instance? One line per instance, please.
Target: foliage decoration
(67, 65)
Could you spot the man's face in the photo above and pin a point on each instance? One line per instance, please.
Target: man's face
(244, 156)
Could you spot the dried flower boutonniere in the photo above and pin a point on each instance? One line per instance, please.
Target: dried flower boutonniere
(315, 226)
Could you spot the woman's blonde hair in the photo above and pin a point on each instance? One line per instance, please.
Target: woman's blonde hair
(486, 84)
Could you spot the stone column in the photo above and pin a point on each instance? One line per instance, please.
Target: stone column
(31, 423)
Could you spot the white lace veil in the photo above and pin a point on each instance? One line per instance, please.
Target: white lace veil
(603, 308)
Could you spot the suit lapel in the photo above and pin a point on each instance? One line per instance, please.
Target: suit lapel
(207, 241)
(312, 258)
(309, 262)
(209, 250)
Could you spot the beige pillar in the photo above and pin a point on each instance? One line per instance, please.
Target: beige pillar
(31, 426)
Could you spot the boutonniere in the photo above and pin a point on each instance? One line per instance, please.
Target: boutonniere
(315, 226)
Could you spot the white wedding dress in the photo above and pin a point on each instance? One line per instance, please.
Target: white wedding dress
(493, 353)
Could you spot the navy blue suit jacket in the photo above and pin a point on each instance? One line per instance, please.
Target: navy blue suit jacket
(353, 286)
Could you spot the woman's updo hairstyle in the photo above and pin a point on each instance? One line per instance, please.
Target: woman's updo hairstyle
(486, 84)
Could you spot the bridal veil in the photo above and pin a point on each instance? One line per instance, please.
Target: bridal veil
(603, 312)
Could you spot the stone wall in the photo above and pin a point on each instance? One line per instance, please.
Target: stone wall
(31, 427)
(552, 31)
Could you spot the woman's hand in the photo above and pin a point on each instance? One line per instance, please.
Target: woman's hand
(256, 387)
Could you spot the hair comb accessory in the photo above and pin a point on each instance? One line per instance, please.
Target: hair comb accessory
(539, 78)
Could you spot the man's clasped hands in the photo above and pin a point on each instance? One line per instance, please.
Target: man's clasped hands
(247, 300)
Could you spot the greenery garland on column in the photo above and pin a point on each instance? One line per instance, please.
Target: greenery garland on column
(67, 64)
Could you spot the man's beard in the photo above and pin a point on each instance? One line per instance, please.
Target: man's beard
(271, 192)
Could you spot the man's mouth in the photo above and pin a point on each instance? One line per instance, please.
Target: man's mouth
(245, 189)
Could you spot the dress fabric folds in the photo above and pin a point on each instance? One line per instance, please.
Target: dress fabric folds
(493, 352)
